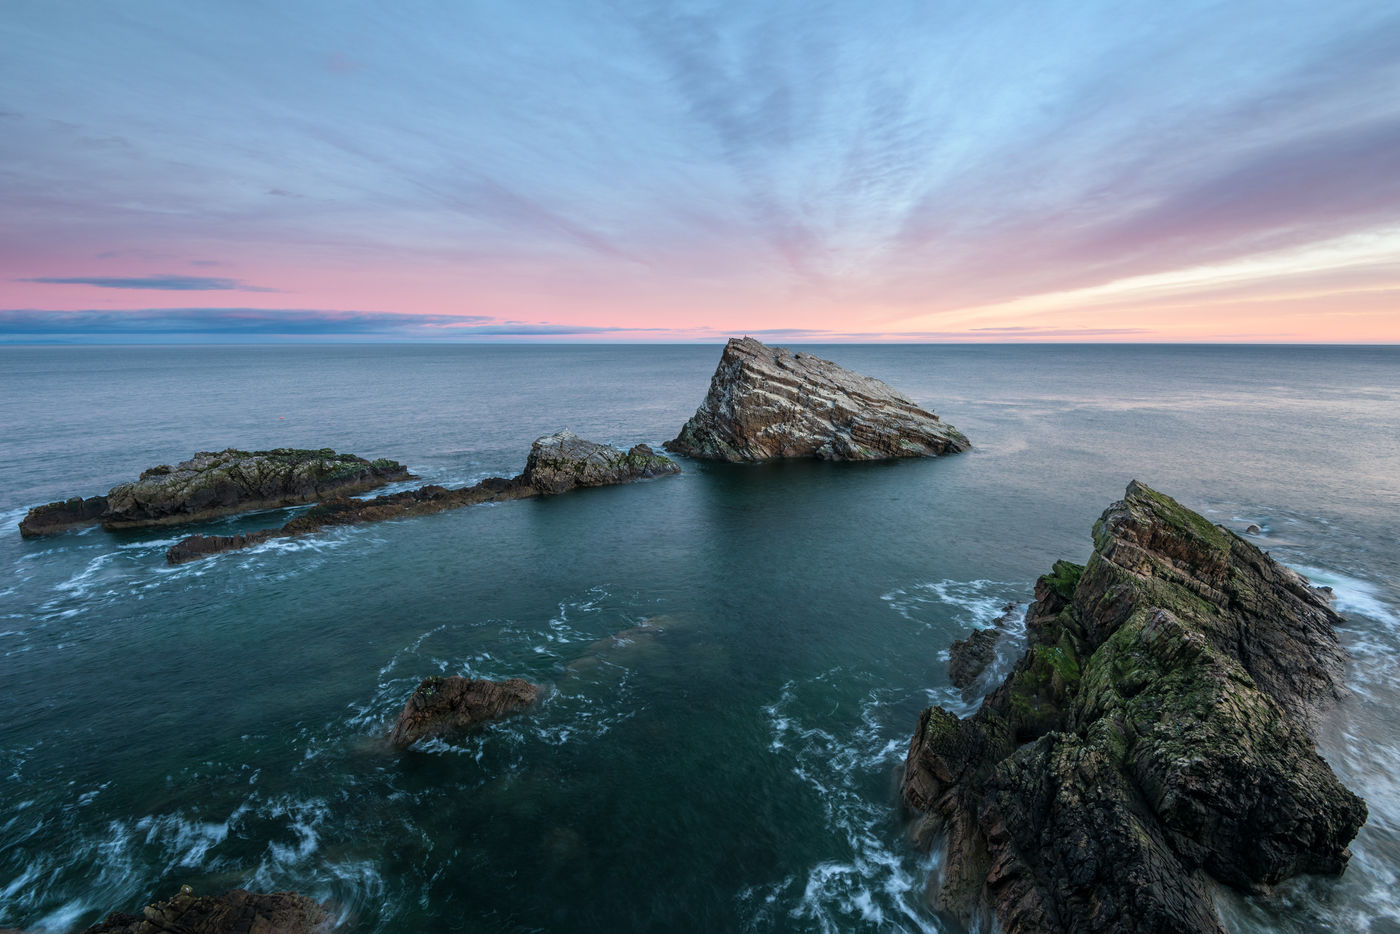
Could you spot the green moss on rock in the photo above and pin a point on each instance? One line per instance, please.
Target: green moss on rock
(1159, 723)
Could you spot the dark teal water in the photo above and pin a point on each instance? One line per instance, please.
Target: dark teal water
(221, 723)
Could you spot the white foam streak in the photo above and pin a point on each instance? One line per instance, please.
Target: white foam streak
(879, 882)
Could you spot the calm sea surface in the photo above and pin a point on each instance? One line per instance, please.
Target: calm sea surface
(730, 768)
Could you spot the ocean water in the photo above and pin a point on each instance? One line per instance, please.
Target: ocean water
(729, 766)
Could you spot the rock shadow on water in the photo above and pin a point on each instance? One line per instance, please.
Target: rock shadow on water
(666, 647)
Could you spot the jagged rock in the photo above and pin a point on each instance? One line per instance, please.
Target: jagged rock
(968, 658)
(213, 484)
(62, 515)
(768, 402)
(235, 912)
(557, 463)
(1157, 734)
(562, 461)
(218, 484)
(443, 706)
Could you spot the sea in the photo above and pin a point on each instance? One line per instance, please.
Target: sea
(733, 659)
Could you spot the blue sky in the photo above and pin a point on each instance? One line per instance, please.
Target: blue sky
(1165, 171)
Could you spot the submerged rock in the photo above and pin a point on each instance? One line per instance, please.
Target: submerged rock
(768, 402)
(443, 706)
(1158, 733)
(235, 912)
(213, 484)
(557, 463)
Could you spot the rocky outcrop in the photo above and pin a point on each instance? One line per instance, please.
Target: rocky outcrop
(969, 658)
(563, 461)
(557, 463)
(62, 516)
(213, 484)
(235, 912)
(1157, 734)
(768, 402)
(444, 706)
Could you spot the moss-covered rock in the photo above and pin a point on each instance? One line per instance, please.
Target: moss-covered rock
(563, 461)
(557, 463)
(212, 484)
(218, 483)
(1157, 733)
(234, 912)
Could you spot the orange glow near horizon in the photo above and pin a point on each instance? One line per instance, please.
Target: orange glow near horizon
(1345, 291)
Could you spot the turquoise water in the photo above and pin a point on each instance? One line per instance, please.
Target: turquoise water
(729, 766)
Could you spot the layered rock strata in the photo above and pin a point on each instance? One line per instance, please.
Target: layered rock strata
(1156, 735)
(768, 402)
(213, 484)
(445, 706)
(235, 912)
(557, 463)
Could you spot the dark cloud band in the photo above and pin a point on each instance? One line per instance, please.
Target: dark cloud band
(162, 283)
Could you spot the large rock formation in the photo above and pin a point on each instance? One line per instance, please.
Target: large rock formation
(213, 484)
(768, 402)
(235, 912)
(444, 706)
(1157, 733)
(557, 463)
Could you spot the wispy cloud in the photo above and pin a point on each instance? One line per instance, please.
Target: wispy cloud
(777, 164)
(161, 283)
(18, 324)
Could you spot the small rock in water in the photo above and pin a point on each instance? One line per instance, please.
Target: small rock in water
(1252, 530)
(443, 706)
(235, 912)
(563, 461)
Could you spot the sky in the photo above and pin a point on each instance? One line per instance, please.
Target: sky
(606, 170)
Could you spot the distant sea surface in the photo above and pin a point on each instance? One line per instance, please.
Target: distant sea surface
(729, 766)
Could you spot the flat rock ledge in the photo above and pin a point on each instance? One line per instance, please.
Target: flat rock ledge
(767, 402)
(557, 464)
(1157, 734)
(446, 706)
(235, 912)
(217, 483)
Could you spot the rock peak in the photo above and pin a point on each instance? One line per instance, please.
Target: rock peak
(769, 402)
